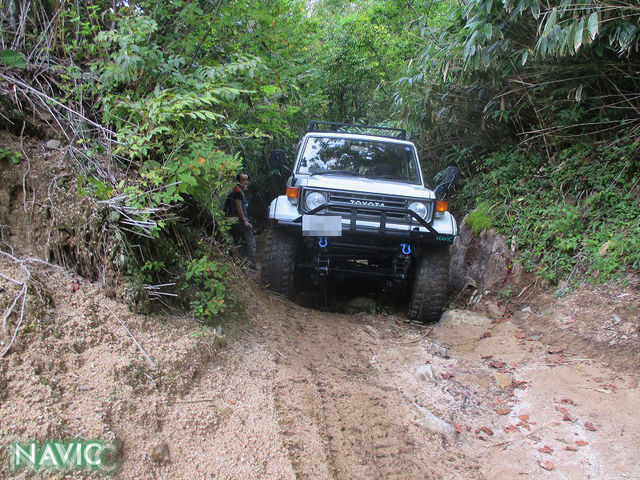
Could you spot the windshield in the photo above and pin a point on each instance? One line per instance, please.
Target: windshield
(362, 158)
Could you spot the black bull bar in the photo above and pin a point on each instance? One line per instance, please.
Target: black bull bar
(430, 235)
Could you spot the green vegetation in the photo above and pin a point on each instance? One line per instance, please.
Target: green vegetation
(8, 154)
(536, 102)
(574, 215)
(206, 278)
(480, 218)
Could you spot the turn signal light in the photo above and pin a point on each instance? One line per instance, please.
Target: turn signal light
(441, 206)
(292, 194)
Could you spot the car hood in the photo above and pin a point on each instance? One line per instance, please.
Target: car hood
(364, 185)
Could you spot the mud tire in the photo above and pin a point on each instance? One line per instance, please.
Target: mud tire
(279, 262)
(430, 285)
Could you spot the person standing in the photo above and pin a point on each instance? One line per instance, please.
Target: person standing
(237, 206)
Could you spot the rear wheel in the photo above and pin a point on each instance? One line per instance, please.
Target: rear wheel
(279, 261)
(430, 284)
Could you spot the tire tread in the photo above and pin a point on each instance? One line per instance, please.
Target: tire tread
(278, 263)
(430, 286)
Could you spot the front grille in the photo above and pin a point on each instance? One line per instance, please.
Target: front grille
(349, 200)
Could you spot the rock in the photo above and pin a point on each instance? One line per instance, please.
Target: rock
(372, 331)
(464, 318)
(503, 379)
(359, 304)
(483, 261)
(425, 372)
(438, 349)
(84, 388)
(492, 310)
(436, 424)
(160, 453)
(526, 310)
(53, 144)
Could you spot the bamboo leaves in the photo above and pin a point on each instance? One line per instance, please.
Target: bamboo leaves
(592, 25)
(577, 35)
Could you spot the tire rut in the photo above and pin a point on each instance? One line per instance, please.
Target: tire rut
(338, 421)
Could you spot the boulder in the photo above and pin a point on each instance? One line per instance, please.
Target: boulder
(483, 261)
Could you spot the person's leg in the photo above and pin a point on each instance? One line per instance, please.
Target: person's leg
(250, 246)
(237, 232)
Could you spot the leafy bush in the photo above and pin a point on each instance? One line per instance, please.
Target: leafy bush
(208, 278)
(8, 154)
(576, 215)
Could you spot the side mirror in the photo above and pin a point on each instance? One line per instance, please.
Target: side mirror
(451, 175)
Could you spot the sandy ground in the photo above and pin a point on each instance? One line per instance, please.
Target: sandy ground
(292, 392)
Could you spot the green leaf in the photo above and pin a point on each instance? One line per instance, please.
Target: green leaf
(592, 25)
(213, 116)
(577, 35)
(542, 47)
(485, 57)
(12, 58)
(551, 21)
(488, 30)
(188, 179)
(535, 10)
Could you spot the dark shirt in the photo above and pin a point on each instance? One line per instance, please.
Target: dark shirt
(230, 203)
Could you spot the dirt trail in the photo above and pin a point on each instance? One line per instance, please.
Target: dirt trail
(306, 394)
(299, 393)
(303, 396)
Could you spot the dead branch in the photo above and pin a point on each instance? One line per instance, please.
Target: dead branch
(44, 98)
(154, 292)
(133, 338)
(22, 297)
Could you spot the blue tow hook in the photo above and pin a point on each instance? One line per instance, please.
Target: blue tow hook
(406, 248)
(322, 242)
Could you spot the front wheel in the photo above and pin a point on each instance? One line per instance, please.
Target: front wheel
(279, 261)
(430, 284)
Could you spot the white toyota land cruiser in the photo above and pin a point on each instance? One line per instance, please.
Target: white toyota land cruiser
(356, 204)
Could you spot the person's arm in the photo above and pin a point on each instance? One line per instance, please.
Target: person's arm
(243, 219)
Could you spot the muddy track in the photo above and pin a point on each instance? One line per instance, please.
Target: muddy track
(300, 394)
(338, 415)
(353, 432)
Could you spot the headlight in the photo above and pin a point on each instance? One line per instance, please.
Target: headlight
(314, 199)
(419, 208)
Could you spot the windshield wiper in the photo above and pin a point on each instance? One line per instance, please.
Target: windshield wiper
(394, 178)
(335, 172)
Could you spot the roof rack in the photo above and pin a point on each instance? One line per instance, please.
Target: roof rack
(319, 126)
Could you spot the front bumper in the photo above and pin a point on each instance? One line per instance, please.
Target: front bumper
(441, 230)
